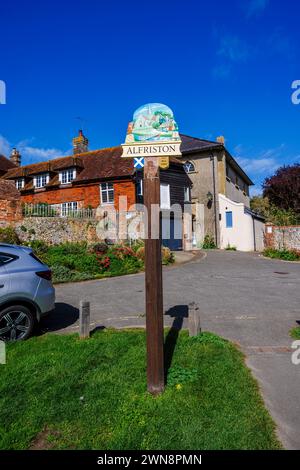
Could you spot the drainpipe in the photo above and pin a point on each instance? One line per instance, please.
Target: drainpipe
(212, 159)
(254, 235)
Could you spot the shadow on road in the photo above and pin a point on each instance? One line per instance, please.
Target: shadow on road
(63, 316)
(179, 313)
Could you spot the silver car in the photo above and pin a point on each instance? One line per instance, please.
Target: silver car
(26, 292)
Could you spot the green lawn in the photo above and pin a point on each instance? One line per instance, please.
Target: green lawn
(59, 392)
(295, 332)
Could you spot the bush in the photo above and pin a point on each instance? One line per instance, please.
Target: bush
(39, 247)
(100, 248)
(208, 243)
(8, 235)
(287, 255)
(140, 252)
(167, 255)
(230, 248)
(63, 274)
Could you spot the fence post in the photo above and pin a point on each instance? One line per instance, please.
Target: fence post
(84, 319)
(194, 319)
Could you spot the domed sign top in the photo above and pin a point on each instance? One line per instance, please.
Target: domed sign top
(152, 132)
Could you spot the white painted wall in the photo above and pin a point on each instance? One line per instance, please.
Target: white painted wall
(241, 234)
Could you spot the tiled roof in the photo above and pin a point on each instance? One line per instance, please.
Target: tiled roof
(5, 164)
(105, 163)
(97, 164)
(193, 144)
(8, 190)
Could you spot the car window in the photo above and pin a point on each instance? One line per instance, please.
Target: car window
(5, 258)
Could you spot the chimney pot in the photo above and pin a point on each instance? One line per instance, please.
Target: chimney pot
(80, 143)
(15, 157)
(221, 139)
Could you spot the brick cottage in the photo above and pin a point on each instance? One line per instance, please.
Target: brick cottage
(89, 179)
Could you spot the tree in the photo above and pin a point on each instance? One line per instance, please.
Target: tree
(283, 188)
(273, 214)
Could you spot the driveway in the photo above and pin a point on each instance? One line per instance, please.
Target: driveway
(242, 296)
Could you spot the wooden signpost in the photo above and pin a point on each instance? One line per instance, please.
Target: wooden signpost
(153, 134)
(153, 279)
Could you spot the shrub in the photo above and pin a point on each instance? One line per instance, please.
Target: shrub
(100, 248)
(63, 274)
(230, 248)
(122, 252)
(8, 235)
(140, 252)
(208, 243)
(39, 247)
(287, 255)
(137, 244)
(167, 255)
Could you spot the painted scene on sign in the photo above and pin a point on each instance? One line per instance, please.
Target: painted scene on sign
(152, 122)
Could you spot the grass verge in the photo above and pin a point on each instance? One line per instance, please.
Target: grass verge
(295, 332)
(59, 392)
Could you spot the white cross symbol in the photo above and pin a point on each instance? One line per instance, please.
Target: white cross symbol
(138, 162)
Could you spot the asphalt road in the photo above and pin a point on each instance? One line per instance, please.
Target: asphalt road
(242, 296)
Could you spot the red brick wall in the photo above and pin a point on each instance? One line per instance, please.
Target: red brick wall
(87, 195)
(10, 211)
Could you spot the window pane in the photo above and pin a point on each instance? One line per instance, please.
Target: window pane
(229, 221)
(104, 196)
(165, 196)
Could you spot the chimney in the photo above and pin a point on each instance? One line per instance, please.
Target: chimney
(15, 157)
(221, 139)
(80, 143)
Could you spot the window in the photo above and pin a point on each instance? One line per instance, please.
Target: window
(165, 196)
(67, 176)
(6, 258)
(20, 183)
(139, 187)
(107, 193)
(227, 173)
(187, 194)
(68, 207)
(189, 167)
(229, 221)
(41, 180)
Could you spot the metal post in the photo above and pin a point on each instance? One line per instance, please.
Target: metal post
(153, 279)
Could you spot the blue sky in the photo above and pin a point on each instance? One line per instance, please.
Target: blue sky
(225, 68)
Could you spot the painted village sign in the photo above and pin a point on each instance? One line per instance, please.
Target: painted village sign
(152, 133)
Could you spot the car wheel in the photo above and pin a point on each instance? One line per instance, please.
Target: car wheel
(16, 323)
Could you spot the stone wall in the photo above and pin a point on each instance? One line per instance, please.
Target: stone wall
(55, 230)
(283, 237)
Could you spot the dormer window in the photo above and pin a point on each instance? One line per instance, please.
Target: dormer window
(41, 180)
(20, 183)
(67, 176)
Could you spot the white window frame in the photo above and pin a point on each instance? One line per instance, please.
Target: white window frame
(20, 183)
(140, 188)
(187, 194)
(187, 166)
(67, 176)
(41, 180)
(67, 207)
(107, 189)
(165, 200)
